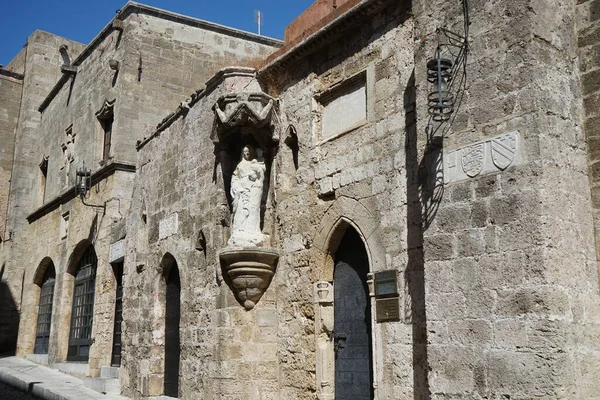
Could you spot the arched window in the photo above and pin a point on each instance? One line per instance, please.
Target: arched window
(80, 334)
(44, 319)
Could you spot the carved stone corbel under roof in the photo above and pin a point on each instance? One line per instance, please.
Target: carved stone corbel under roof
(255, 111)
(106, 109)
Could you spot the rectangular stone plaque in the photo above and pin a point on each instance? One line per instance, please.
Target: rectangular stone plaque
(386, 283)
(168, 226)
(344, 110)
(387, 309)
(116, 251)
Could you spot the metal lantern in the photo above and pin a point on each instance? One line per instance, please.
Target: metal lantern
(440, 100)
(83, 182)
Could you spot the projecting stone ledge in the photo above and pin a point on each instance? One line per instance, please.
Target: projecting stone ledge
(248, 272)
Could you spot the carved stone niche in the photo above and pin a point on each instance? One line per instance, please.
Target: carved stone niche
(246, 136)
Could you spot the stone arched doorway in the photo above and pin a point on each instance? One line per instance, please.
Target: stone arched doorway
(171, 286)
(348, 234)
(352, 333)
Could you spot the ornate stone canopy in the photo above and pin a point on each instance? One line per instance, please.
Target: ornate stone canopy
(249, 111)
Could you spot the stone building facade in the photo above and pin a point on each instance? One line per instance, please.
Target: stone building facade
(307, 224)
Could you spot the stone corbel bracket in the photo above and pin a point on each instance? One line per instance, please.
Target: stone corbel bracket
(246, 110)
(248, 272)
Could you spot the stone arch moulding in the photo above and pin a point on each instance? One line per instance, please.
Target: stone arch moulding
(43, 265)
(345, 212)
(76, 255)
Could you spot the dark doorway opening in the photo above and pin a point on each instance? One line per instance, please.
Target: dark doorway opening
(172, 344)
(116, 349)
(352, 321)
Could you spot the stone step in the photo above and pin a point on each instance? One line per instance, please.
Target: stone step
(109, 372)
(163, 398)
(103, 385)
(41, 359)
(78, 369)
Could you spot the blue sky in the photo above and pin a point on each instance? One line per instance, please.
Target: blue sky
(81, 20)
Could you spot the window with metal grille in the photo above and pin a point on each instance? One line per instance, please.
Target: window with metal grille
(80, 335)
(44, 319)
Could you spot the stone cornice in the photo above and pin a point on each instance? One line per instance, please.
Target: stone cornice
(69, 194)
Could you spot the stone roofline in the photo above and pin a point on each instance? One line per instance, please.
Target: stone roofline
(329, 28)
(133, 7)
(314, 37)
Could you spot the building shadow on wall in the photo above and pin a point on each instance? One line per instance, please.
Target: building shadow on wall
(424, 183)
(9, 320)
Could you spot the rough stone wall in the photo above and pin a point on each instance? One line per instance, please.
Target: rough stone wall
(39, 61)
(175, 178)
(86, 225)
(176, 60)
(10, 93)
(173, 56)
(510, 269)
(17, 64)
(360, 176)
(589, 62)
(269, 352)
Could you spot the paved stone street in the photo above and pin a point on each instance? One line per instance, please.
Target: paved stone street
(43, 382)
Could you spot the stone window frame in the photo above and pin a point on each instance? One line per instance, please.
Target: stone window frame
(344, 86)
(43, 176)
(64, 225)
(106, 131)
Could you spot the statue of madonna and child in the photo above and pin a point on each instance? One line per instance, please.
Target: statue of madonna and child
(247, 184)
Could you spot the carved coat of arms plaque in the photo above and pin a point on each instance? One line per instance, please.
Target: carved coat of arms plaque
(472, 159)
(504, 148)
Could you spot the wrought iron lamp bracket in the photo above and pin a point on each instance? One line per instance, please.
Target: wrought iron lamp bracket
(84, 185)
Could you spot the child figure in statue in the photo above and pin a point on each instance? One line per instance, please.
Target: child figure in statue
(246, 190)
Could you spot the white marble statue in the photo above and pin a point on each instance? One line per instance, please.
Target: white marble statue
(246, 190)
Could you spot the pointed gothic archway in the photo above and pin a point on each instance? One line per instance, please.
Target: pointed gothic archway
(346, 221)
